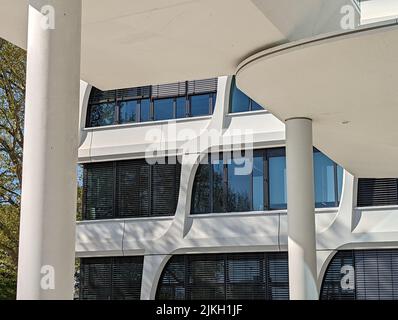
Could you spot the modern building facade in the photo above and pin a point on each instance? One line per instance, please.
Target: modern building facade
(230, 149)
(190, 230)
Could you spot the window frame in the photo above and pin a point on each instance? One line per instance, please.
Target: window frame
(266, 154)
(117, 99)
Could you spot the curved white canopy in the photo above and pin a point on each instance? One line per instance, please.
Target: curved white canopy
(135, 42)
(347, 84)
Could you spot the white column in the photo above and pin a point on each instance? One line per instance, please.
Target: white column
(301, 210)
(47, 232)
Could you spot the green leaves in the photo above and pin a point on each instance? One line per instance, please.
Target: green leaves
(12, 102)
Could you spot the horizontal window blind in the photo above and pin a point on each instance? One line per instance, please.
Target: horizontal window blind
(111, 278)
(374, 276)
(250, 276)
(97, 96)
(131, 188)
(377, 192)
(202, 86)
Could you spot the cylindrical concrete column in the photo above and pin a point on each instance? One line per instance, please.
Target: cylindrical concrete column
(47, 232)
(301, 210)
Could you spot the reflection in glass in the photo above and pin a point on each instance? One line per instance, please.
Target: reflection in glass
(201, 190)
(164, 109)
(128, 111)
(218, 186)
(238, 187)
(102, 114)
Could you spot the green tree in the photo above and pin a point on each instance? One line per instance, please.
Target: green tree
(12, 101)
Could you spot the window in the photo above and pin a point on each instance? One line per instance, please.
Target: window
(368, 275)
(240, 102)
(377, 192)
(130, 189)
(277, 179)
(163, 109)
(128, 111)
(152, 103)
(111, 278)
(247, 276)
(201, 105)
(257, 182)
(328, 182)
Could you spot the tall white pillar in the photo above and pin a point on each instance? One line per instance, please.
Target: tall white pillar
(301, 210)
(47, 232)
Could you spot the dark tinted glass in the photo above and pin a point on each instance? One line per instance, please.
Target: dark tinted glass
(163, 109)
(181, 111)
(145, 110)
(256, 106)
(240, 101)
(200, 105)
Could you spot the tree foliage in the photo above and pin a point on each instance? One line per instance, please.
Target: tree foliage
(12, 101)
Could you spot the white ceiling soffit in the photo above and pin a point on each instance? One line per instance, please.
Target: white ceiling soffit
(134, 42)
(347, 85)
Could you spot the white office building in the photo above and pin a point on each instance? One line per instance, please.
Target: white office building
(230, 150)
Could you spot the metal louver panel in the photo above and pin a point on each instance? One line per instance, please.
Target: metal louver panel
(377, 192)
(246, 276)
(98, 96)
(202, 86)
(98, 188)
(111, 278)
(95, 279)
(169, 90)
(375, 276)
(331, 287)
(132, 188)
(133, 93)
(165, 189)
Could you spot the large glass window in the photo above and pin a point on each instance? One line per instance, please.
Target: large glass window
(263, 187)
(131, 188)
(152, 103)
(240, 102)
